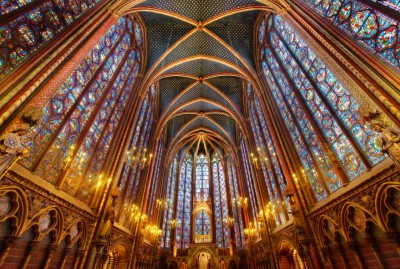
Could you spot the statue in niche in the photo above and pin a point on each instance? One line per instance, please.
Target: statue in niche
(109, 218)
(12, 143)
(389, 137)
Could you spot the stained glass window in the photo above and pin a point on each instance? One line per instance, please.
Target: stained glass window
(155, 183)
(202, 177)
(71, 143)
(169, 211)
(236, 210)
(34, 26)
(220, 202)
(130, 177)
(250, 182)
(319, 112)
(202, 226)
(267, 158)
(374, 28)
(184, 206)
(82, 118)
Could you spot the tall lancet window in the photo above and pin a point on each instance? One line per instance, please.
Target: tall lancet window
(372, 24)
(32, 24)
(170, 196)
(247, 173)
(202, 227)
(267, 159)
(69, 147)
(220, 202)
(202, 177)
(236, 210)
(184, 208)
(129, 178)
(320, 114)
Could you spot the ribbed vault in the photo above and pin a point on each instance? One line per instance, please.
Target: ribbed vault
(200, 55)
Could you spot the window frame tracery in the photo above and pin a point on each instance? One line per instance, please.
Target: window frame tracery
(298, 115)
(271, 167)
(183, 219)
(42, 22)
(346, 16)
(131, 173)
(99, 123)
(220, 201)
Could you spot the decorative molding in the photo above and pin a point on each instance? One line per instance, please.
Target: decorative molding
(389, 174)
(15, 178)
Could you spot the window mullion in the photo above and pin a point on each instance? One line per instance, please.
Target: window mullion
(55, 133)
(326, 146)
(332, 111)
(270, 163)
(134, 174)
(117, 101)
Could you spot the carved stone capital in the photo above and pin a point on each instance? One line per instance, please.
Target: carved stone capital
(99, 245)
(80, 253)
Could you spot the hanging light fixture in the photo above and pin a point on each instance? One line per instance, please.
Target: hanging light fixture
(139, 157)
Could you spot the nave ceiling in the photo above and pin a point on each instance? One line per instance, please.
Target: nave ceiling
(201, 55)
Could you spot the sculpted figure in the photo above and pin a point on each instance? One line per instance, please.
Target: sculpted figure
(11, 147)
(12, 143)
(388, 140)
(109, 217)
(389, 137)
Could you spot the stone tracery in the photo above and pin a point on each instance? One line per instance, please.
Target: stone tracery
(221, 85)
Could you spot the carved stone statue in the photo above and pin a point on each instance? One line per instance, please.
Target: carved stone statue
(109, 217)
(389, 138)
(11, 148)
(388, 141)
(12, 143)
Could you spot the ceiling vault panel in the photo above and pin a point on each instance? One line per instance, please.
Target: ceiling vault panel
(200, 53)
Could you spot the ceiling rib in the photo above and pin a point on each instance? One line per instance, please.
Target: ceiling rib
(200, 94)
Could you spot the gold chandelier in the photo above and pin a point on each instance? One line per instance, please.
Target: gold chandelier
(139, 157)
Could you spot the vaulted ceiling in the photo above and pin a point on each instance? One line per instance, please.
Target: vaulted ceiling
(201, 53)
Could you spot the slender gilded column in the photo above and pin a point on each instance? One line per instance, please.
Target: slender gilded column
(375, 250)
(66, 253)
(354, 248)
(328, 256)
(79, 255)
(28, 254)
(10, 242)
(50, 253)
